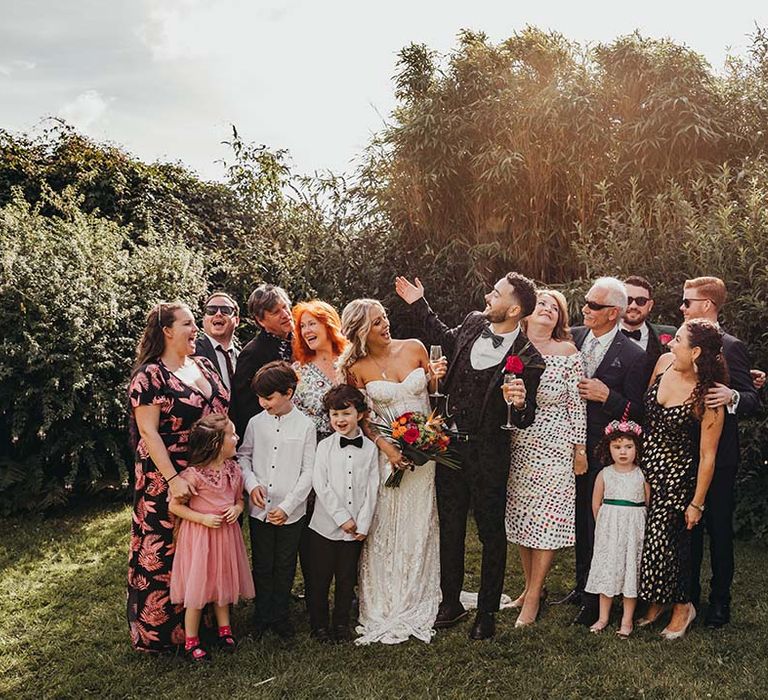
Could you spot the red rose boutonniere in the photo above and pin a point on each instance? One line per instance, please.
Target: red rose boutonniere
(664, 338)
(514, 365)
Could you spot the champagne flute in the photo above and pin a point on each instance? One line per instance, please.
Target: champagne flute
(508, 379)
(435, 353)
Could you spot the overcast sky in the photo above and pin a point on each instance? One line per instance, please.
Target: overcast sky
(166, 78)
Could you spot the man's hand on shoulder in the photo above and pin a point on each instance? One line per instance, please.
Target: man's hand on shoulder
(408, 291)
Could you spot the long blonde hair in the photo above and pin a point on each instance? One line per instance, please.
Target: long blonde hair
(355, 325)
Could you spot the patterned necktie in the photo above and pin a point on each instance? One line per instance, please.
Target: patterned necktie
(355, 442)
(590, 357)
(497, 340)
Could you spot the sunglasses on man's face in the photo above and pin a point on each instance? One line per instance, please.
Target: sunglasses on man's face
(640, 301)
(212, 309)
(598, 307)
(687, 302)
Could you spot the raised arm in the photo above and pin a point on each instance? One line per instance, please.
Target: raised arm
(434, 331)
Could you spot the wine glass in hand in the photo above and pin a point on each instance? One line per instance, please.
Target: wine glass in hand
(509, 378)
(435, 354)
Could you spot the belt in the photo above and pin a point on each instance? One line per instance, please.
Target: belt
(622, 502)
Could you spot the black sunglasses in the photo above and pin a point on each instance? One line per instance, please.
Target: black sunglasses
(640, 301)
(212, 309)
(598, 307)
(687, 302)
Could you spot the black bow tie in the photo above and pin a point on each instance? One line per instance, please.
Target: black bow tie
(355, 442)
(635, 335)
(497, 340)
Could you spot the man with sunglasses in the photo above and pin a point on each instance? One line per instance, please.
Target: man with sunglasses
(703, 297)
(616, 374)
(650, 337)
(221, 314)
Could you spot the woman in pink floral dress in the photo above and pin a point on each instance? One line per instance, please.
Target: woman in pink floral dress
(169, 391)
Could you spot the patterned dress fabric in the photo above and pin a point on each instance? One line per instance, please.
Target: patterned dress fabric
(308, 397)
(155, 623)
(670, 464)
(619, 531)
(399, 579)
(210, 564)
(541, 490)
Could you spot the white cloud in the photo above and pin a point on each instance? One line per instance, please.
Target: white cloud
(16, 65)
(85, 110)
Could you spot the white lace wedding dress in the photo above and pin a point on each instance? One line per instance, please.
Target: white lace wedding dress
(399, 581)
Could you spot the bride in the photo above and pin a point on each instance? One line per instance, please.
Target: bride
(399, 580)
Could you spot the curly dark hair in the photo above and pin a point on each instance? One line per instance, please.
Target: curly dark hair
(603, 449)
(710, 365)
(525, 291)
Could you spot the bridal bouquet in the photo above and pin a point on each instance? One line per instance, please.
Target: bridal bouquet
(421, 438)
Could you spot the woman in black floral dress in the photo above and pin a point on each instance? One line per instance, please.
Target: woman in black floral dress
(681, 440)
(169, 391)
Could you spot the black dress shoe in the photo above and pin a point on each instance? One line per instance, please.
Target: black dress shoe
(448, 615)
(484, 627)
(571, 598)
(718, 615)
(587, 616)
(342, 633)
(320, 634)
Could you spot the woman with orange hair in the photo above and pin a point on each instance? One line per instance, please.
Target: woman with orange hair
(317, 345)
(316, 348)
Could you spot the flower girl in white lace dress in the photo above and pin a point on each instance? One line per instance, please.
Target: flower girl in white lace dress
(619, 501)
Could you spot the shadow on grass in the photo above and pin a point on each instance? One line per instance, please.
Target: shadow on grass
(64, 634)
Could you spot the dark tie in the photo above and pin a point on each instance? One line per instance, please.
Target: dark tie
(355, 442)
(228, 360)
(635, 335)
(497, 340)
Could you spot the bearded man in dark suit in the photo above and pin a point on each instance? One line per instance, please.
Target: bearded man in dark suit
(704, 297)
(616, 372)
(650, 337)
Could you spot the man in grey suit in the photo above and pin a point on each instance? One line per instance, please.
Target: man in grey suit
(217, 343)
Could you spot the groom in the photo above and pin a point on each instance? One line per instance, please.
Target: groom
(478, 350)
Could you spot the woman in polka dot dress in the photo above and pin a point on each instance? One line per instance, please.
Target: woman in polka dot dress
(541, 491)
(679, 459)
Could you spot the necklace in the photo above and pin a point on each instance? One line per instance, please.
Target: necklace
(381, 369)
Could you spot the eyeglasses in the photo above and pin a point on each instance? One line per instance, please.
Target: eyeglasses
(212, 309)
(687, 302)
(598, 307)
(640, 301)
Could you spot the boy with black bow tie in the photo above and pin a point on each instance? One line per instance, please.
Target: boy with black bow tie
(346, 480)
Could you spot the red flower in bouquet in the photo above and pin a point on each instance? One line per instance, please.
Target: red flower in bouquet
(514, 365)
(411, 435)
(664, 338)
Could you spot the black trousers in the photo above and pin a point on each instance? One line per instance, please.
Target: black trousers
(331, 560)
(585, 532)
(274, 549)
(482, 480)
(304, 554)
(718, 522)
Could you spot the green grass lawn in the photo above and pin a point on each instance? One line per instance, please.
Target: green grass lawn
(63, 634)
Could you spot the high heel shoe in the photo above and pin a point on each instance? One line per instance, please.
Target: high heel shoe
(645, 621)
(520, 623)
(680, 633)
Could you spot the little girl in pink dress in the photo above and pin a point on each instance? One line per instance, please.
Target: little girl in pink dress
(210, 564)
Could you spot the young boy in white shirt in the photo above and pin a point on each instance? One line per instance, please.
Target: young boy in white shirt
(346, 480)
(277, 455)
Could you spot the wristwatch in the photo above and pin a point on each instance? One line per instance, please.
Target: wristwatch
(581, 452)
(734, 398)
(698, 507)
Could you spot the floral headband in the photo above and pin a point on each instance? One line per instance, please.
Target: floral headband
(623, 426)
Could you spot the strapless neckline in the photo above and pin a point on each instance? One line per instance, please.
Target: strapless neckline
(389, 381)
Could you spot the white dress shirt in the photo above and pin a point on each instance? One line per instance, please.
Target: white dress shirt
(221, 362)
(278, 453)
(346, 482)
(604, 342)
(644, 330)
(483, 355)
